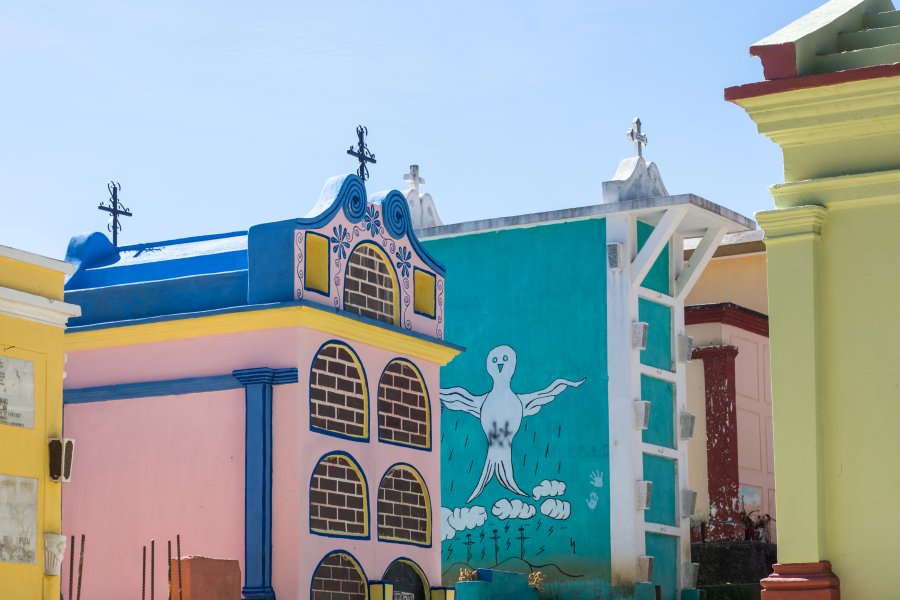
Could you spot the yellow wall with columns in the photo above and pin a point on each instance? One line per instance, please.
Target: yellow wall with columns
(834, 307)
(32, 320)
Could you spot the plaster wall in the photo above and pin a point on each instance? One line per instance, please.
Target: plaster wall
(23, 450)
(860, 379)
(756, 460)
(738, 279)
(135, 482)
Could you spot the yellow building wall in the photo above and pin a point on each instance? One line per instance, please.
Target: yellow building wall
(860, 303)
(834, 298)
(739, 279)
(24, 452)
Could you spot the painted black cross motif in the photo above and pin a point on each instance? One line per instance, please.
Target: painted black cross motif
(115, 209)
(362, 154)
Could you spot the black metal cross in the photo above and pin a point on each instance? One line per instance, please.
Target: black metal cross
(115, 209)
(362, 154)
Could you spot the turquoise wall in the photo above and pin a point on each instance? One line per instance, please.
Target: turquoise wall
(541, 291)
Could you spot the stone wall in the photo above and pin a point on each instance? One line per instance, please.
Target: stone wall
(402, 507)
(337, 393)
(338, 579)
(403, 407)
(337, 501)
(368, 287)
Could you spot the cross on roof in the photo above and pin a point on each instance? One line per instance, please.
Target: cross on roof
(413, 178)
(115, 209)
(634, 134)
(362, 154)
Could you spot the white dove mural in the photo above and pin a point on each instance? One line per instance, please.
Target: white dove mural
(501, 411)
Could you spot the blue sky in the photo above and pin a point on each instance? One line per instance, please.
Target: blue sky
(218, 115)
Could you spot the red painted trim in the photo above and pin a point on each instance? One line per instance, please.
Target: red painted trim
(728, 313)
(779, 61)
(802, 581)
(723, 476)
(775, 86)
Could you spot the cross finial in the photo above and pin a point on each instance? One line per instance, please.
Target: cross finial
(413, 178)
(361, 152)
(634, 134)
(115, 210)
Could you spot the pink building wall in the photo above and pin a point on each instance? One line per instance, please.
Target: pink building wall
(153, 467)
(754, 420)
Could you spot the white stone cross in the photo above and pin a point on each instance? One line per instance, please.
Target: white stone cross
(634, 134)
(413, 178)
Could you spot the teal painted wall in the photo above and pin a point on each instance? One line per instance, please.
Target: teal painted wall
(665, 572)
(661, 395)
(541, 291)
(664, 475)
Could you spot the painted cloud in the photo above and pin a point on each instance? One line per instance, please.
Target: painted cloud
(516, 509)
(556, 509)
(549, 487)
(461, 519)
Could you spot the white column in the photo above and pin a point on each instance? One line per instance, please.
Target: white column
(625, 461)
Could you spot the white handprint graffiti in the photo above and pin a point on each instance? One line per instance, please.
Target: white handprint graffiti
(592, 500)
(597, 479)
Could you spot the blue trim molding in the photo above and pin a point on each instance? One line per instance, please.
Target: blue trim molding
(258, 478)
(149, 389)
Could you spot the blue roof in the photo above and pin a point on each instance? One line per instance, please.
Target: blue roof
(211, 272)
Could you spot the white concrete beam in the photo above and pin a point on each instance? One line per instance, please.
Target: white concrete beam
(685, 281)
(657, 241)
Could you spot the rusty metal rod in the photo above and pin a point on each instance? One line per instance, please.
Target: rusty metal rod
(80, 566)
(152, 569)
(71, 567)
(169, 567)
(144, 573)
(178, 544)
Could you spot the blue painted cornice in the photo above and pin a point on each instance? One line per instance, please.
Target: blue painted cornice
(266, 375)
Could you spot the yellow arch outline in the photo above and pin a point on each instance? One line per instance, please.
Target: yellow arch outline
(421, 480)
(395, 285)
(350, 462)
(421, 379)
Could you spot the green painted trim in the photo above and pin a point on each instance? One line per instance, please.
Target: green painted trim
(790, 222)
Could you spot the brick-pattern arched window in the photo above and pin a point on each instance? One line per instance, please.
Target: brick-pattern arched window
(369, 287)
(404, 508)
(403, 410)
(339, 577)
(338, 398)
(338, 498)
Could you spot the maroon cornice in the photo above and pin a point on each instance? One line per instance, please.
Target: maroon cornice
(728, 313)
(788, 84)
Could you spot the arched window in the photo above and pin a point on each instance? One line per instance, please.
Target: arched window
(407, 578)
(338, 395)
(338, 497)
(339, 576)
(370, 287)
(404, 415)
(404, 507)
